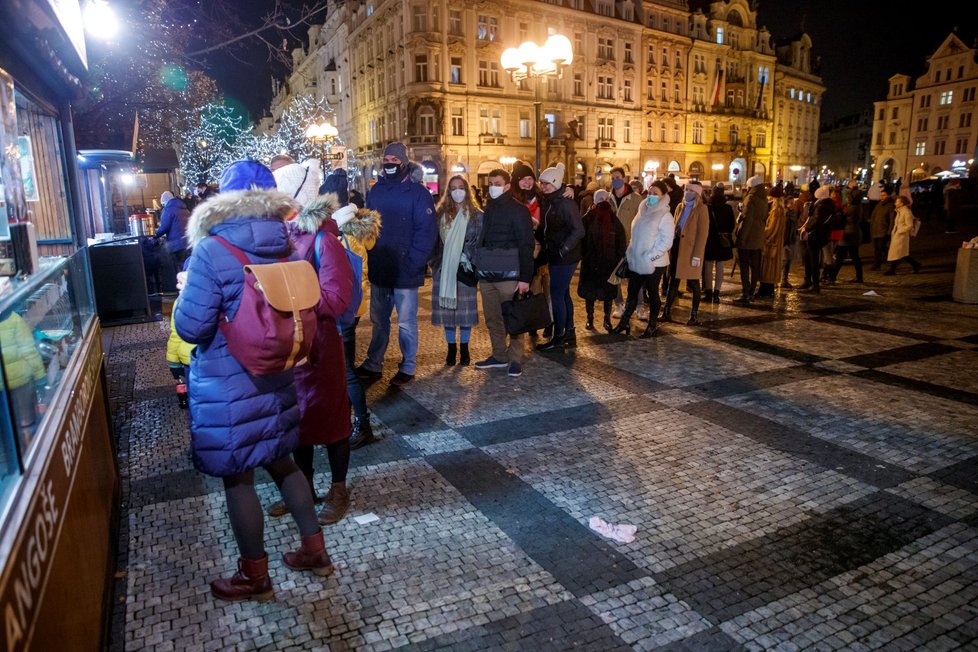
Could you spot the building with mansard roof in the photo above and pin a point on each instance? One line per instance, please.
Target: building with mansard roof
(653, 88)
(927, 127)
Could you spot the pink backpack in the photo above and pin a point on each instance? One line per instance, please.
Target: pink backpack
(275, 325)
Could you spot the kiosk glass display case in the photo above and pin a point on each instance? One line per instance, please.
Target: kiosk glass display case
(42, 321)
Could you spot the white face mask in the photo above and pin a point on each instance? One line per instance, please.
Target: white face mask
(495, 192)
(458, 195)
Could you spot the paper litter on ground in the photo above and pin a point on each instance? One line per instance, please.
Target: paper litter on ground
(871, 293)
(363, 519)
(623, 533)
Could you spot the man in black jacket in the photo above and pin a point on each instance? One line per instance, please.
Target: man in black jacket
(506, 225)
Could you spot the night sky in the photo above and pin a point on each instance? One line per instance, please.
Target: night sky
(861, 45)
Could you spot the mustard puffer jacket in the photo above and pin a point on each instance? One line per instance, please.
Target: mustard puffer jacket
(177, 350)
(21, 361)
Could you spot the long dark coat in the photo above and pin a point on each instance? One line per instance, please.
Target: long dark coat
(604, 245)
(466, 312)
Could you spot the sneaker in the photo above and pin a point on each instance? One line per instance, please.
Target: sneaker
(401, 378)
(490, 363)
(515, 369)
(619, 310)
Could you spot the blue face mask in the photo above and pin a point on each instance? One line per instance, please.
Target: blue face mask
(617, 183)
(652, 200)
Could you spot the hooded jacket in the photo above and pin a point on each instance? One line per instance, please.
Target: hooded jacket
(321, 383)
(652, 233)
(410, 231)
(561, 229)
(173, 224)
(237, 421)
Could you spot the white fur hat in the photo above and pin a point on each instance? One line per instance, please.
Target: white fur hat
(299, 180)
(755, 180)
(165, 197)
(554, 175)
(600, 196)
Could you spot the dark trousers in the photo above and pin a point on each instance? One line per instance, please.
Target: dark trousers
(693, 285)
(649, 284)
(563, 305)
(354, 388)
(906, 259)
(841, 253)
(880, 245)
(750, 270)
(589, 306)
(813, 263)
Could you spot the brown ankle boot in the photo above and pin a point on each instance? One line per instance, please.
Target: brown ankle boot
(311, 555)
(337, 504)
(278, 508)
(251, 582)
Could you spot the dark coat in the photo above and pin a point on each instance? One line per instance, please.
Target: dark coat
(561, 230)
(819, 223)
(506, 224)
(173, 224)
(399, 258)
(466, 312)
(237, 421)
(721, 221)
(603, 246)
(881, 221)
(321, 383)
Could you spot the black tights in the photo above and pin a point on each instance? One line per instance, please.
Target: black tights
(691, 284)
(648, 283)
(339, 459)
(245, 511)
(589, 305)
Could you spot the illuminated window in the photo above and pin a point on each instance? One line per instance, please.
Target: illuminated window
(945, 98)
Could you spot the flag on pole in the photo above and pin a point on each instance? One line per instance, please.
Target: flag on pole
(717, 86)
(760, 95)
(135, 133)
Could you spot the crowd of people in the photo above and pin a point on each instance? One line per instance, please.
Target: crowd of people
(637, 248)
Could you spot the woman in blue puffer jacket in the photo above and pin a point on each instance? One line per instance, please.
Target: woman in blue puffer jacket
(239, 421)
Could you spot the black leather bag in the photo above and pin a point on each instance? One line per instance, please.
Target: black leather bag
(465, 277)
(526, 312)
(497, 264)
(620, 272)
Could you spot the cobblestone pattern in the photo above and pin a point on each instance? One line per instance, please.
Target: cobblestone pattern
(803, 474)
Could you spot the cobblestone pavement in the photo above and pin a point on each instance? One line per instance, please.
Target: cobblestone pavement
(803, 474)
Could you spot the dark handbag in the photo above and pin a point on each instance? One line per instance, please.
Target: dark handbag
(497, 264)
(526, 312)
(620, 272)
(466, 277)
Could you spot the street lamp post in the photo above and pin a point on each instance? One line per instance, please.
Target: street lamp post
(539, 62)
(322, 134)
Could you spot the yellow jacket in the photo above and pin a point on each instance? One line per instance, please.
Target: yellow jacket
(21, 361)
(361, 233)
(177, 351)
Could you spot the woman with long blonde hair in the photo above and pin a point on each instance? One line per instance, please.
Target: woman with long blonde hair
(454, 303)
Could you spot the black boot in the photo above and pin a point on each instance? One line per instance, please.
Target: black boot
(652, 330)
(570, 339)
(693, 321)
(464, 354)
(552, 343)
(548, 332)
(608, 326)
(666, 314)
(589, 325)
(625, 323)
(450, 358)
(362, 433)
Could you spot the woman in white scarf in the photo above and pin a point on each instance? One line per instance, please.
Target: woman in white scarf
(454, 303)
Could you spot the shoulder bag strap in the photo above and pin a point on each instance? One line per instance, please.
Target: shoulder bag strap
(315, 247)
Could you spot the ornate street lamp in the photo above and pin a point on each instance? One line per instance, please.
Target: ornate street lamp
(539, 62)
(322, 134)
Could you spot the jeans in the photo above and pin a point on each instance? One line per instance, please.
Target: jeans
(563, 305)
(382, 302)
(354, 388)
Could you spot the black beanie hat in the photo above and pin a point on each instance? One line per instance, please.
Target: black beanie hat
(336, 182)
(521, 170)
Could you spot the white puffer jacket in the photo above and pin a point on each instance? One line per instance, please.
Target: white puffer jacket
(652, 233)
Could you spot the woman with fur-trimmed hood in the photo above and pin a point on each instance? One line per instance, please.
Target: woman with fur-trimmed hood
(240, 421)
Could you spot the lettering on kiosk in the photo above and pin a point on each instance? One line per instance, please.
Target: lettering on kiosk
(20, 603)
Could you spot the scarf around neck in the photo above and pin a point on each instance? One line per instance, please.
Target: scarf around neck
(453, 237)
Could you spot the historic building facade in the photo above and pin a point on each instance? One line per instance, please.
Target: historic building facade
(653, 88)
(844, 147)
(929, 127)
